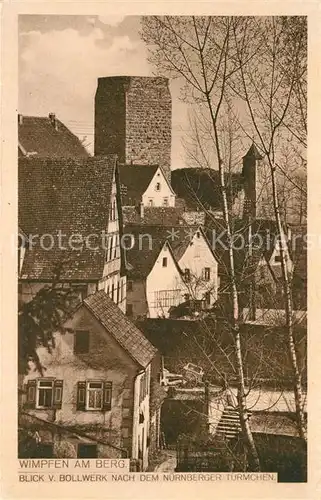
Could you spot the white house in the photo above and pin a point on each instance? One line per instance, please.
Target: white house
(145, 185)
(200, 268)
(164, 284)
(169, 267)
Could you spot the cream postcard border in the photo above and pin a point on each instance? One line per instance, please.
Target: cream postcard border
(9, 487)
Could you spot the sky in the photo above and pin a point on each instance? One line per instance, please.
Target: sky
(61, 57)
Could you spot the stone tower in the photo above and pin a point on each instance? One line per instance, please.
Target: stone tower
(133, 118)
(258, 202)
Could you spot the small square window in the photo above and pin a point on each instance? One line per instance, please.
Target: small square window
(277, 258)
(164, 262)
(81, 342)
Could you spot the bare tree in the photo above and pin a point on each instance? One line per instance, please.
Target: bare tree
(197, 50)
(271, 88)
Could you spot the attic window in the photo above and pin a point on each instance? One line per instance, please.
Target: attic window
(164, 262)
(158, 186)
(277, 258)
(198, 234)
(81, 345)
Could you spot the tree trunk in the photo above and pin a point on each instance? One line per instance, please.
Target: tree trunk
(289, 315)
(241, 398)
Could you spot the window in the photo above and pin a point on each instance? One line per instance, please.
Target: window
(111, 242)
(81, 345)
(112, 292)
(116, 246)
(113, 211)
(164, 262)
(150, 202)
(158, 186)
(187, 274)
(165, 202)
(207, 274)
(129, 309)
(129, 286)
(87, 450)
(118, 293)
(277, 258)
(94, 395)
(198, 235)
(44, 393)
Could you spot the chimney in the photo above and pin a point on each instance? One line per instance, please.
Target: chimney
(53, 120)
(20, 119)
(141, 209)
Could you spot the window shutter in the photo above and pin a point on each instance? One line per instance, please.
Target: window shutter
(107, 396)
(31, 393)
(57, 394)
(81, 395)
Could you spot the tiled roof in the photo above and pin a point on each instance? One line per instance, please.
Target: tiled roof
(134, 180)
(67, 195)
(39, 137)
(149, 240)
(157, 216)
(121, 328)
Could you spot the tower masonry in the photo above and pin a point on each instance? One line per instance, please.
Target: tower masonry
(133, 118)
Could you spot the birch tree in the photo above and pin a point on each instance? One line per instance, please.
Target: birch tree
(198, 51)
(272, 87)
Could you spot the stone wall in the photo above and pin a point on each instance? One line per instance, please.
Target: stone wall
(133, 117)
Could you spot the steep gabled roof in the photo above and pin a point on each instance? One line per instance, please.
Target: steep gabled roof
(148, 242)
(121, 328)
(134, 180)
(64, 197)
(39, 137)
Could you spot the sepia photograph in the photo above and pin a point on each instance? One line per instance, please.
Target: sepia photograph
(162, 243)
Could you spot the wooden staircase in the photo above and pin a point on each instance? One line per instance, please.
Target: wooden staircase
(229, 425)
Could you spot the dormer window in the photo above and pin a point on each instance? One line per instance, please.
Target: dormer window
(158, 186)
